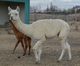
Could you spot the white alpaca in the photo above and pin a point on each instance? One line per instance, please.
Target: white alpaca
(41, 30)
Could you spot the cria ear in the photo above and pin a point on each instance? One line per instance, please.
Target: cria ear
(9, 9)
(18, 9)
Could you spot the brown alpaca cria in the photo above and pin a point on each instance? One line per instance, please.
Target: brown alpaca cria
(21, 38)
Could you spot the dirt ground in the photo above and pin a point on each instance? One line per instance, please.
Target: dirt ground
(51, 52)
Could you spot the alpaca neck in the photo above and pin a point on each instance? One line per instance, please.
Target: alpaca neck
(24, 28)
(18, 24)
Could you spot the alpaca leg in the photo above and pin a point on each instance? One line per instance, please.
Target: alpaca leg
(25, 48)
(29, 44)
(62, 53)
(63, 36)
(69, 50)
(22, 44)
(38, 55)
(16, 46)
(38, 50)
(63, 49)
(65, 46)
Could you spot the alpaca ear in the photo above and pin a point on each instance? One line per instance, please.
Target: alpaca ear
(9, 9)
(18, 9)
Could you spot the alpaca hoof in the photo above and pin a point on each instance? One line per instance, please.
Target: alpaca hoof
(24, 54)
(29, 54)
(37, 62)
(69, 60)
(19, 57)
(58, 61)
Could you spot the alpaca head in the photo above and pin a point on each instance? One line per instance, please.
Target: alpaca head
(14, 14)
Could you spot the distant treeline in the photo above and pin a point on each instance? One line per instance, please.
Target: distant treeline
(55, 10)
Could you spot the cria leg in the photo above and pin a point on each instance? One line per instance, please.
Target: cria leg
(65, 47)
(69, 50)
(38, 50)
(63, 50)
(16, 46)
(38, 55)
